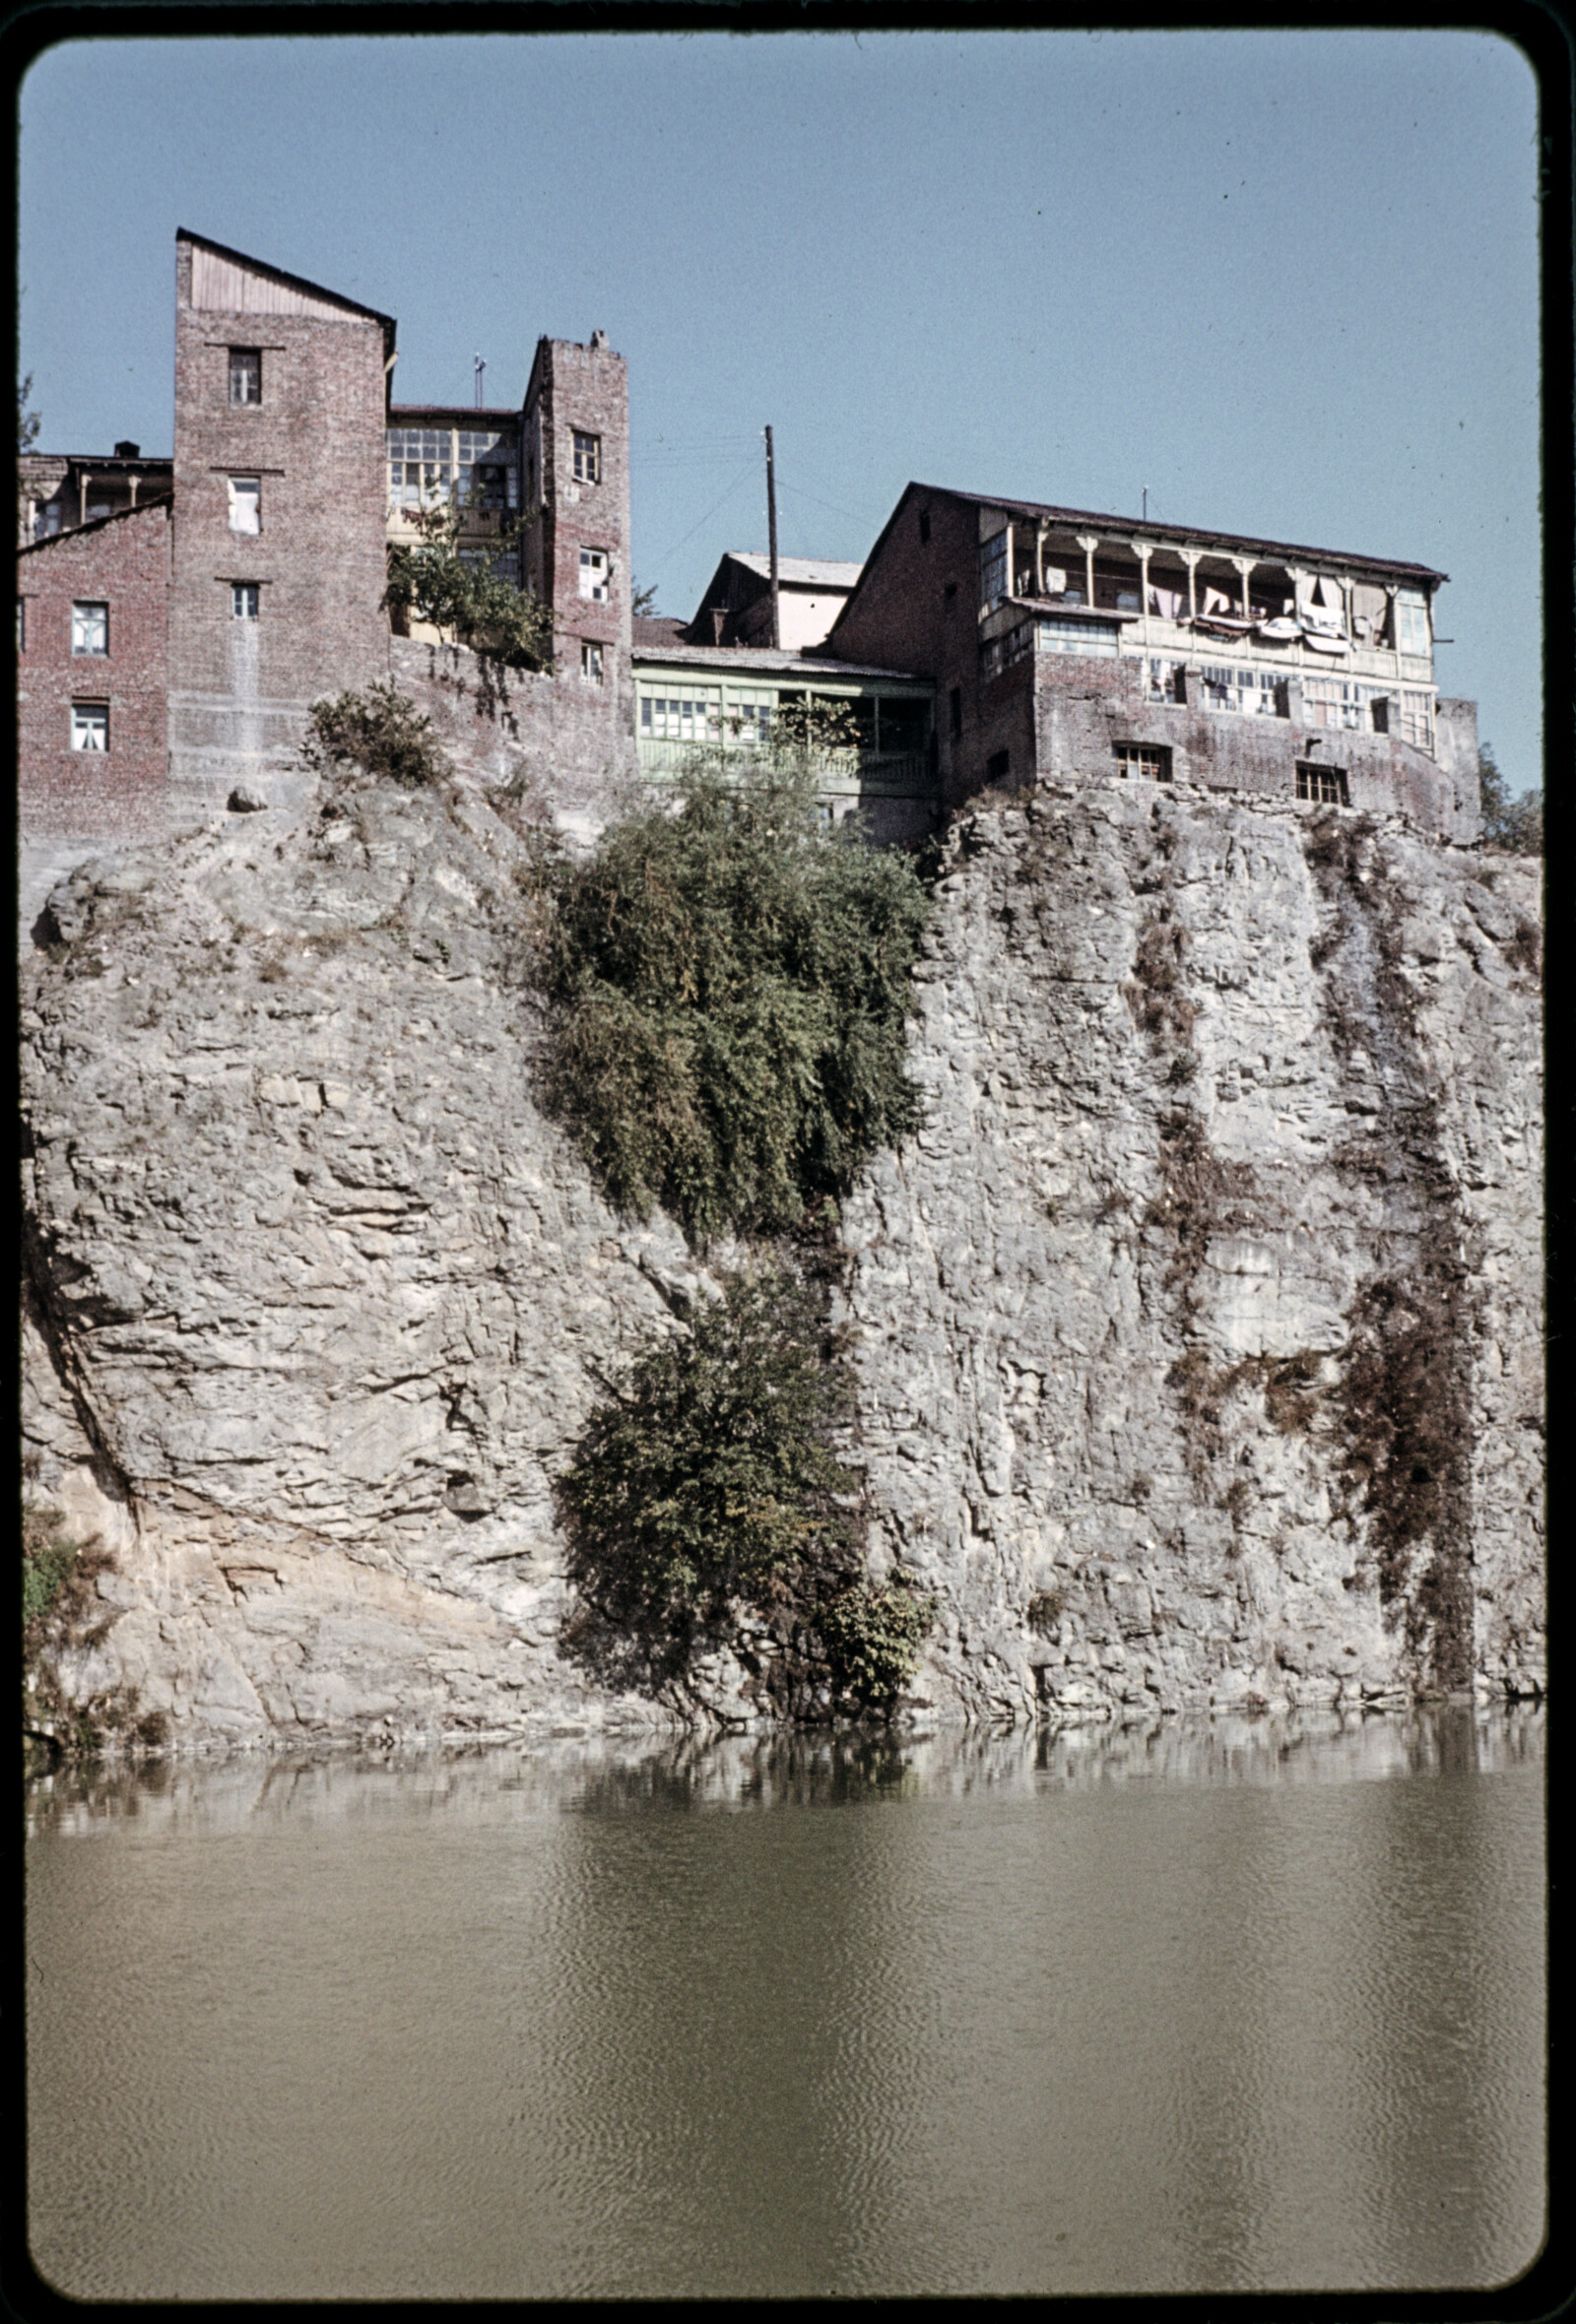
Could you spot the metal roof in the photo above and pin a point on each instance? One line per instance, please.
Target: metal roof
(807, 573)
(1162, 534)
(777, 661)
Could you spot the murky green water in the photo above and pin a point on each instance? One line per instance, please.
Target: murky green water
(1240, 2006)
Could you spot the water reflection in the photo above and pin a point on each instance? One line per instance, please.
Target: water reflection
(1249, 2003)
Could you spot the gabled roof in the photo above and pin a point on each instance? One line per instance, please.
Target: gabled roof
(96, 524)
(276, 273)
(799, 572)
(1162, 534)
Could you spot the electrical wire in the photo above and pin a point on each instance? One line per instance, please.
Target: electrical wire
(710, 513)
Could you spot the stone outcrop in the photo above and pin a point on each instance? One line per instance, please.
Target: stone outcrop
(1198, 1328)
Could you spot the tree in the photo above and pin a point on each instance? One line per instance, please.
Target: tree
(643, 601)
(709, 1472)
(729, 984)
(27, 423)
(1514, 825)
(458, 589)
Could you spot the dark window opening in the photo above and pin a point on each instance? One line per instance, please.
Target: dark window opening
(950, 593)
(955, 702)
(904, 723)
(1324, 786)
(1150, 762)
(924, 523)
(998, 766)
(245, 375)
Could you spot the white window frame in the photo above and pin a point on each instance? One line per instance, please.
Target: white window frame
(90, 621)
(244, 490)
(90, 726)
(596, 579)
(591, 662)
(1413, 629)
(586, 457)
(240, 355)
(245, 601)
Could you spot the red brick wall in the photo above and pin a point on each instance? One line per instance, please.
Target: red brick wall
(584, 388)
(117, 798)
(316, 442)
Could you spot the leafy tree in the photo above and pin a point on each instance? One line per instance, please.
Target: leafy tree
(457, 589)
(1515, 825)
(729, 981)
(643, 601)
(710, 1473)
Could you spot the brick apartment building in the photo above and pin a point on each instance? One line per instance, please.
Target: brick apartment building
(1064, 643)
(177, 618)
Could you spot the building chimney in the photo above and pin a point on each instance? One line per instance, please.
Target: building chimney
(129, 451)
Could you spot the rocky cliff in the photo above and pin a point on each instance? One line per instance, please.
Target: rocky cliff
(1198, 1329)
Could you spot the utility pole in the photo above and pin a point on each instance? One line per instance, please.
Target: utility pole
(480, 369)
(771, 543)
(1146, 504)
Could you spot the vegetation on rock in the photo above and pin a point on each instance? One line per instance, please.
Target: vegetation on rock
(872, 1640)
(729, 983)
(381, 733)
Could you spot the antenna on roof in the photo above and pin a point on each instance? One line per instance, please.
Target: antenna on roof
(1146, 504)
(480, 369)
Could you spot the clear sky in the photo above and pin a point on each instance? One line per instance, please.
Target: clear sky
(1285, 281)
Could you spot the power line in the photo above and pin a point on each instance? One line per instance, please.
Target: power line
(710, 513)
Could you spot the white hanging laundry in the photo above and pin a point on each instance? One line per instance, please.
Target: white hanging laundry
(1324, 643)
(1280, 630)
(1167, 603)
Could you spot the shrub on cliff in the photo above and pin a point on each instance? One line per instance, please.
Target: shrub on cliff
(872, 1640)
(709, 1473)
(380, 732)
(729, 983)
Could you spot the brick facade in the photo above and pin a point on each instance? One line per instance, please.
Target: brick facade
(582, 391)
(313, 443)
(917, 607)
(115, 798)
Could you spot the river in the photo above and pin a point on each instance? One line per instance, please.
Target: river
(1237, 2005)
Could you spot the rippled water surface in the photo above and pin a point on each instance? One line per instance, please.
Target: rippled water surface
(1246, 2005)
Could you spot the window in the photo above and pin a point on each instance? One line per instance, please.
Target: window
(1324, 786)
(591, 662)
(904, 723)
(1150, 762)
(99, 508)
(1168, 681)
(749, 715)
(593, 574)
(1416, 723)
(90, 628)
(991, 658)
(998, 766)
(587, 459)
(243, 600)
(421, 465)
(669, 718)
(1411, 621)
(950, 593)
(245, 505)
(47, 522)
(993, 572)
(924, 523)
(955, 711)
(22, 624)
(90, 726)
(1058, 635)
(245, 375)
(484, 467)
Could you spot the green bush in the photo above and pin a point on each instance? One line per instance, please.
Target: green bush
(710, 1473)
(729, 983)
(380, 732)
(47, 1562)
(872, 1639)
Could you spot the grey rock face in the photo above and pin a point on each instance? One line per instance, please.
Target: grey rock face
(1230, 1158)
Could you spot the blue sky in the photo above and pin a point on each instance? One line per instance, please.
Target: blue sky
(1285, 281)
